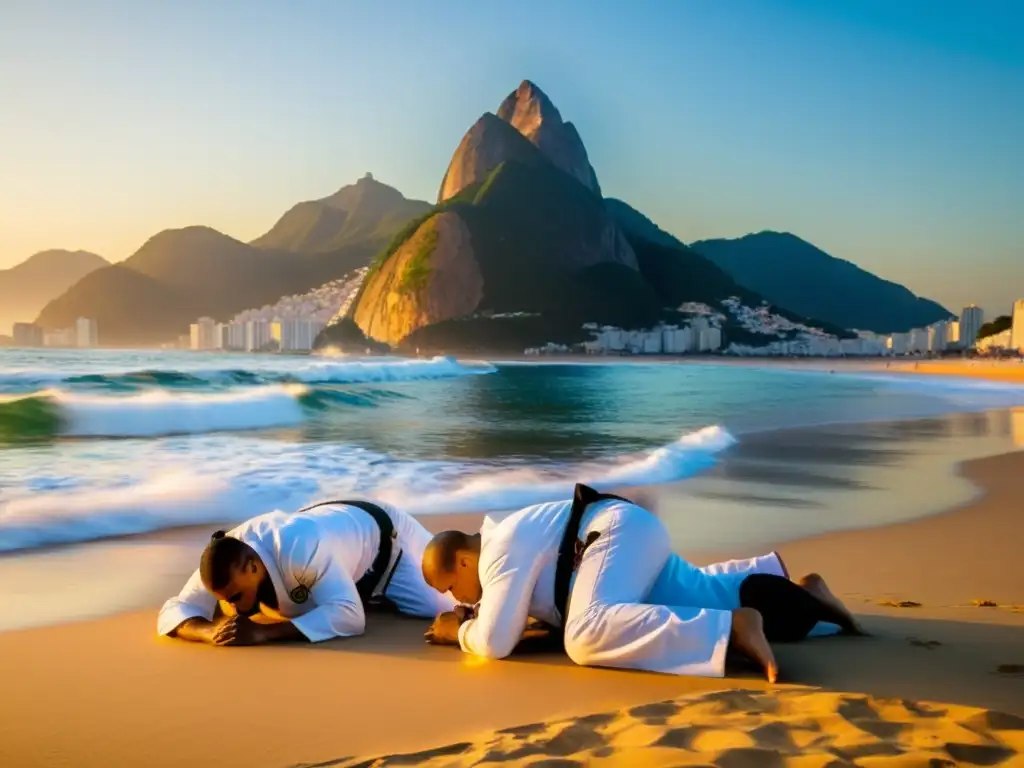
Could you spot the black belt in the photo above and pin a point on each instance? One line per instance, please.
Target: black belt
(571, 550)
(369, 580)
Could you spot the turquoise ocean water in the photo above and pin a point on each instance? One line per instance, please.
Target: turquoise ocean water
(100, 444)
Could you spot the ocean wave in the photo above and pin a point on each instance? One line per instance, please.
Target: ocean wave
(149, 414)
(59, 510)
(305, 370)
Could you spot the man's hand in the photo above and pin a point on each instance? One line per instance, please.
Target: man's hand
(238, 630)
(445, 629)
(464, 612)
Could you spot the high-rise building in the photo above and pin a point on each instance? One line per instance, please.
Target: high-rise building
(1017, 329)
(236, 337)
(937, 336)
(257, 335)
(953, 333)
(86, 333)
(899, 343)
(971, 320)
(27, 335)
(295, 334)
(203, 334)
(918, 342)
(65, 337)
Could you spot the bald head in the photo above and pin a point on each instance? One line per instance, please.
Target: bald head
(450, 563)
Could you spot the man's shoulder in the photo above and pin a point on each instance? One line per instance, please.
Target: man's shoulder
(522, 522)
(260, 524)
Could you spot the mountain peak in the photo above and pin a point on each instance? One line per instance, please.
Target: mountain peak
(533, 114)
(527, 108)
(535, 118)
(59, 257)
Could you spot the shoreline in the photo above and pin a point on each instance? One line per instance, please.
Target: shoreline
(125, 697)
(741, 490)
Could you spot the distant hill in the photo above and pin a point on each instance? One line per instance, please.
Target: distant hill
(795, 274)
(26, 288)
(681, 274)
(116, 297)
(187, 273)
(367, 211)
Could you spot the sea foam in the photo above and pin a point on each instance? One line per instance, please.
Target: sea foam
(217, 489)
(251, 370)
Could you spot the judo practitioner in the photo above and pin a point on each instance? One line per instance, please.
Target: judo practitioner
(312, 573)
(634, 603)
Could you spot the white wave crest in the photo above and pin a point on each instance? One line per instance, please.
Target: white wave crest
(309, 370)
(513, 488)
(159, 412)
(384, 370)
(46, 511)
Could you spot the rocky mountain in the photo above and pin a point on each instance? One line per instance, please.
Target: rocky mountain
(793, 273)
(365, 212)
(26, 288)
(522, 249)
(532, 116)
(181, 274)
(681, 274)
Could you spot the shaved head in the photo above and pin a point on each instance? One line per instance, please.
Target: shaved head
(450, 565)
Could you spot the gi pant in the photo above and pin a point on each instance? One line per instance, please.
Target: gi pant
(634, 604)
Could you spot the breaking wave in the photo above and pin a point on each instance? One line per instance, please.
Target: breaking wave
(286, 371)
(217, 489)
(154, 403)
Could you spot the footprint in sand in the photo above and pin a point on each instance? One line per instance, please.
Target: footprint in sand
(931, 645)
(899, 603)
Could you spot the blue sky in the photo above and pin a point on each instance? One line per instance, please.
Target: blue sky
(887, 132)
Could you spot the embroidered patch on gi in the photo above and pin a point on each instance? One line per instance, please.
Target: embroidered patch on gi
(299, 595)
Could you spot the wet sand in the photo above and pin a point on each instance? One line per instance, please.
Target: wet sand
(108, 692)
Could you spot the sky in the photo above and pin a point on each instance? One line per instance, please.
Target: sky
(886, 132)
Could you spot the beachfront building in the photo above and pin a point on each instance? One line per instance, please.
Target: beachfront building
(295, 334)
(997, 342)
(257, 335)
(63, 338)
(86, 333)
(229, 337)
(971, 320)
(953, 334)
(203, 334)
(27, 335)
(1017, 329)
(898, 344)
(937, 336)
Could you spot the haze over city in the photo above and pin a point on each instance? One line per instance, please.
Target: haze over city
(886, 134)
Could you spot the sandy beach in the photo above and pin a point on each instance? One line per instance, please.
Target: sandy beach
(108, 692)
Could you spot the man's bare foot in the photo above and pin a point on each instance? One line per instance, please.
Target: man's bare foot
(748, 637)
(816, 585)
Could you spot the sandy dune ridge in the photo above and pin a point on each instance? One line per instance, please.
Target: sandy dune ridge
(735, 728)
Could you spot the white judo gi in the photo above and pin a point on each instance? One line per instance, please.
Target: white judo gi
(633, 603)
(314, 559)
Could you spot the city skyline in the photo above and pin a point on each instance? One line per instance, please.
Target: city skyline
(879, 134)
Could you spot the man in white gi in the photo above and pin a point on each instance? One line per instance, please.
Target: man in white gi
(311, 573)
(634, 603)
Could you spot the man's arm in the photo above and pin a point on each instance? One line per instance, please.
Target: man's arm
(339, 609)
(190, 613)
(503, 609)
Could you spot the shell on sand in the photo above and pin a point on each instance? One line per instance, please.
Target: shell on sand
(796, 727)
